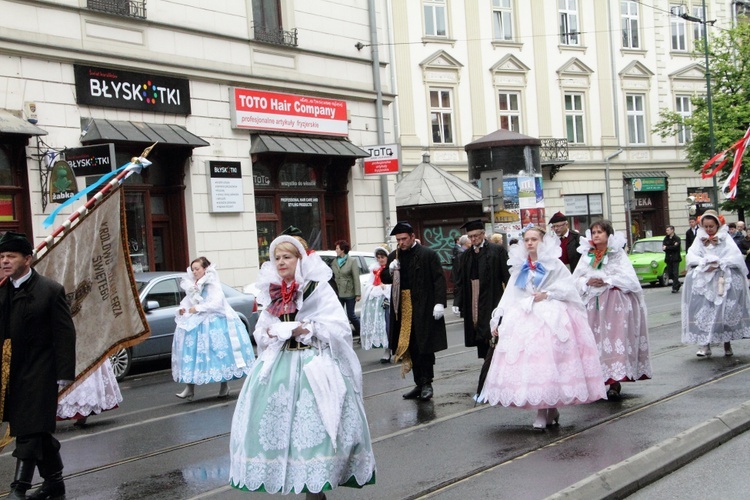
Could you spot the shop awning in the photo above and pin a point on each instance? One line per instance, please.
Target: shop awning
(266, 143)
(10, 124)
(100, 130)
(640, 174)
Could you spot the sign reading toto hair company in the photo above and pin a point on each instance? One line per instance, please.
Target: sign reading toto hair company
(260, 110)
(114, 88)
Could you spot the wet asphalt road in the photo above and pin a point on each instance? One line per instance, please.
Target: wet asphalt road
(157, 446)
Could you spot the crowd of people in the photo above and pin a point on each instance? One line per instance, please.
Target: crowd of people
(558, 317)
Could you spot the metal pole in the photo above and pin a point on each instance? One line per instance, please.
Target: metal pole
(384, 196)
(629, 221)
(492, 204)
(712, 146)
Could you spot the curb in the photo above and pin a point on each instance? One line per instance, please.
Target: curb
(648, 466)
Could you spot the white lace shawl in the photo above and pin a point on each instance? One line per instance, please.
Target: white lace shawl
(321, 313)
(556, 282)
(725, 253)
(616, 270)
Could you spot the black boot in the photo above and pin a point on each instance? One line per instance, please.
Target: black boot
(53, 487)
(414, 393)
(426, 393)
(22, 480)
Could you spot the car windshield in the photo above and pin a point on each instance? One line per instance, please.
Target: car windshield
(647, 247)
(141, 285)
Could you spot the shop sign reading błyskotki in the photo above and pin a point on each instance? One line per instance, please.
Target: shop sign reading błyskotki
(272, 111)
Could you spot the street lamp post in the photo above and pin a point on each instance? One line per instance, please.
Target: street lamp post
(711, 140)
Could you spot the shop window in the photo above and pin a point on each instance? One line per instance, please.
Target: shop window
(14, 197)
(294, 175)
(583, 210)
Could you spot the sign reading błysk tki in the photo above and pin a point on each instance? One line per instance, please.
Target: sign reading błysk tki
(114, 88)
(91, 160)
(256, 109)
(383, 159)
(226, 186)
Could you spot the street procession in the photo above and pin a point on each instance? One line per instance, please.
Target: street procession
(359, 249)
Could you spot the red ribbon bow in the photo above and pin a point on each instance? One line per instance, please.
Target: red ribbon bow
(282, 298)
(709, 240)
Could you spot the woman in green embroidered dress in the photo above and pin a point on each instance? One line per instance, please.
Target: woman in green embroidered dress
(300, 425)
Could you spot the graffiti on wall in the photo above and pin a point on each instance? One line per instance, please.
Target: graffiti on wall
(441, 239)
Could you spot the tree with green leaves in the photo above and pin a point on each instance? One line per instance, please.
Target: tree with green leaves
(729, 65)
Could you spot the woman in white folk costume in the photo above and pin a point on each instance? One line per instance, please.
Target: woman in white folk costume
(616, 309)
(211, 344)
(545, 355)
(715, 299)
(97, 393)
(376, 309)
(300, 425)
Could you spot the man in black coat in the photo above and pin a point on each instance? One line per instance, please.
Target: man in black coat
(418, 299)
(480, 281)
(672, 257)
(569, 240)
(690, 234)
(39, 337)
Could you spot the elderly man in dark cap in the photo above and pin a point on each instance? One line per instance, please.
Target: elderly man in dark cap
(482, 274)
(569, 240)
(39, 340)
(418, 299)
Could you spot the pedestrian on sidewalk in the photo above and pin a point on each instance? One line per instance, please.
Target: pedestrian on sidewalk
(716, 301)
(616, 309)
(483, 274)
(376, 309)
(211, 344)
(346, 274)
(418, 298)
(38, 359)
(545, 355)
(299, 425)
(672, 257)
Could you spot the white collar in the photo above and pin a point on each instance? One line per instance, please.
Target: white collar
(20, 281)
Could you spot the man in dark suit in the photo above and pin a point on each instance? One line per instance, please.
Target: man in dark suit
(672, 257)
(39, 339)
(418, 299)
(569, 240)
(480, 280)
(690, 234)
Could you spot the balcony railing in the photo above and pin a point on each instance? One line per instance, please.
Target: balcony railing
(553, 150)
(276, 36)
(127, 8)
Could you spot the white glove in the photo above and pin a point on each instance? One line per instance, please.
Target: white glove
(437, 313)
(394, 265)
(456, 311)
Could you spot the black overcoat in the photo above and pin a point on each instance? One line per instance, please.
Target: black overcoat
(572, 247)
(493, 276)
(672, 248)
(427, 289)
(43, 345)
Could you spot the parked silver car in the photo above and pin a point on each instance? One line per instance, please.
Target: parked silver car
(160, 295)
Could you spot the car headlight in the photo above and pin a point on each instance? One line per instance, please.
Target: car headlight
(654, 264)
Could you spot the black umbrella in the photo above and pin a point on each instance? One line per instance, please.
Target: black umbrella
(486, 365)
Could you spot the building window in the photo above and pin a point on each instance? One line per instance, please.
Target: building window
(629, 11)
(677, 28)
(441, 116)
(268, 26)
(434, 18)
(510, 111)
(568, 14)
(128, 8)
(683, 108)
(698, 28)
(583, 210)
(636, 118)
(502, 19)
(574, 118)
